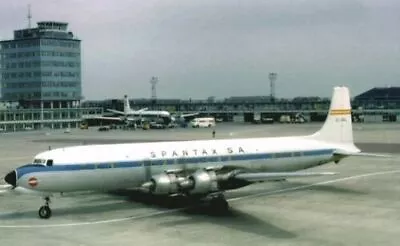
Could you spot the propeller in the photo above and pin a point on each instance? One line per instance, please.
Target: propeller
(6, 188)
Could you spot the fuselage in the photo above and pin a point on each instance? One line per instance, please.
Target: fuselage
(164, 115)
(118, 166)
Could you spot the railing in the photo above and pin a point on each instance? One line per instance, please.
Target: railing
(71, 120)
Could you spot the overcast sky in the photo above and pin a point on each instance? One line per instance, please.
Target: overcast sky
(201, 48)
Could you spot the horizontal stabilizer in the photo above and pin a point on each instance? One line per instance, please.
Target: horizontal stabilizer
(258, 177)
(346, 153)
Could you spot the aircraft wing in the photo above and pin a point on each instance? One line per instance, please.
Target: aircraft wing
(116, 111)
(107, 118)
(259, 177)
(114, 118)
(188, 115)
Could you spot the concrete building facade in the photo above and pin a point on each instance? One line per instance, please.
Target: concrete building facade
(41, 85)
(41, 67)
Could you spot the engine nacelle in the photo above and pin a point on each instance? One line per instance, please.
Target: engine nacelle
(164, 184)
(202, 182)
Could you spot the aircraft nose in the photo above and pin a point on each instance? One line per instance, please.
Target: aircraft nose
(11, 178)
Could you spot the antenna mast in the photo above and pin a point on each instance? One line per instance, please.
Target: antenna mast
(272, 79)
(29, 16)
(153, 82)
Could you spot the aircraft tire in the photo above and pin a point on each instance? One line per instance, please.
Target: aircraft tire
(219, 205)
(44, 212)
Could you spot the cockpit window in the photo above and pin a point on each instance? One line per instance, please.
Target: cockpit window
(39, 161)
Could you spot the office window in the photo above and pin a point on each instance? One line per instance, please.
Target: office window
(36, 64)
(46, 74)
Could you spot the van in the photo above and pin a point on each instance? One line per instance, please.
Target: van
(203, 122)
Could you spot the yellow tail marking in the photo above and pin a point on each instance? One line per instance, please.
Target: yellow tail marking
(340, 112)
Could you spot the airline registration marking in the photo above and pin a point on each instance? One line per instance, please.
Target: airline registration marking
(194, 152)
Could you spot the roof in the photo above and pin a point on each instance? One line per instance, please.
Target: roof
(379, 93)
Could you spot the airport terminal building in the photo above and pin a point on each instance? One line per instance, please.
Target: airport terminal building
(380, 104)
(41, 87)
(41, 83)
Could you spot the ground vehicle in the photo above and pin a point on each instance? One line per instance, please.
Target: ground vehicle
(84, 126)
(155, 125)
(203, 122)
(146, 125)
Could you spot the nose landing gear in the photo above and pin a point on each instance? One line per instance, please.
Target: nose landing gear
(45, 211)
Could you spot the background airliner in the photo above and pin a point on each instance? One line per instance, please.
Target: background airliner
(130, 115)
(202, 169)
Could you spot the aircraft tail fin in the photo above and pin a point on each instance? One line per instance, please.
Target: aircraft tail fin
(127, 106)
(338, 124)
(338, 128)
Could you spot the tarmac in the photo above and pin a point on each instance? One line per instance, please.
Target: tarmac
(359, 206)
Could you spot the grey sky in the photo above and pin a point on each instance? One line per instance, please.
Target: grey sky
(200, 48)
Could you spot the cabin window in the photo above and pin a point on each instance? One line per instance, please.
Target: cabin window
(49, 163)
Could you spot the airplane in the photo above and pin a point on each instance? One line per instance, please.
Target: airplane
(129, 115)
(200, 169)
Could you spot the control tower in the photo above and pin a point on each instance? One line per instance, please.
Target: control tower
(41, 66)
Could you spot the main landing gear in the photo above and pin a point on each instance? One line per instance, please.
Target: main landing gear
(45, 211)
(218, 203)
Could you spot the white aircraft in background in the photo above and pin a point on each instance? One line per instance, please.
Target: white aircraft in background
(202, 169)
(139, 115)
